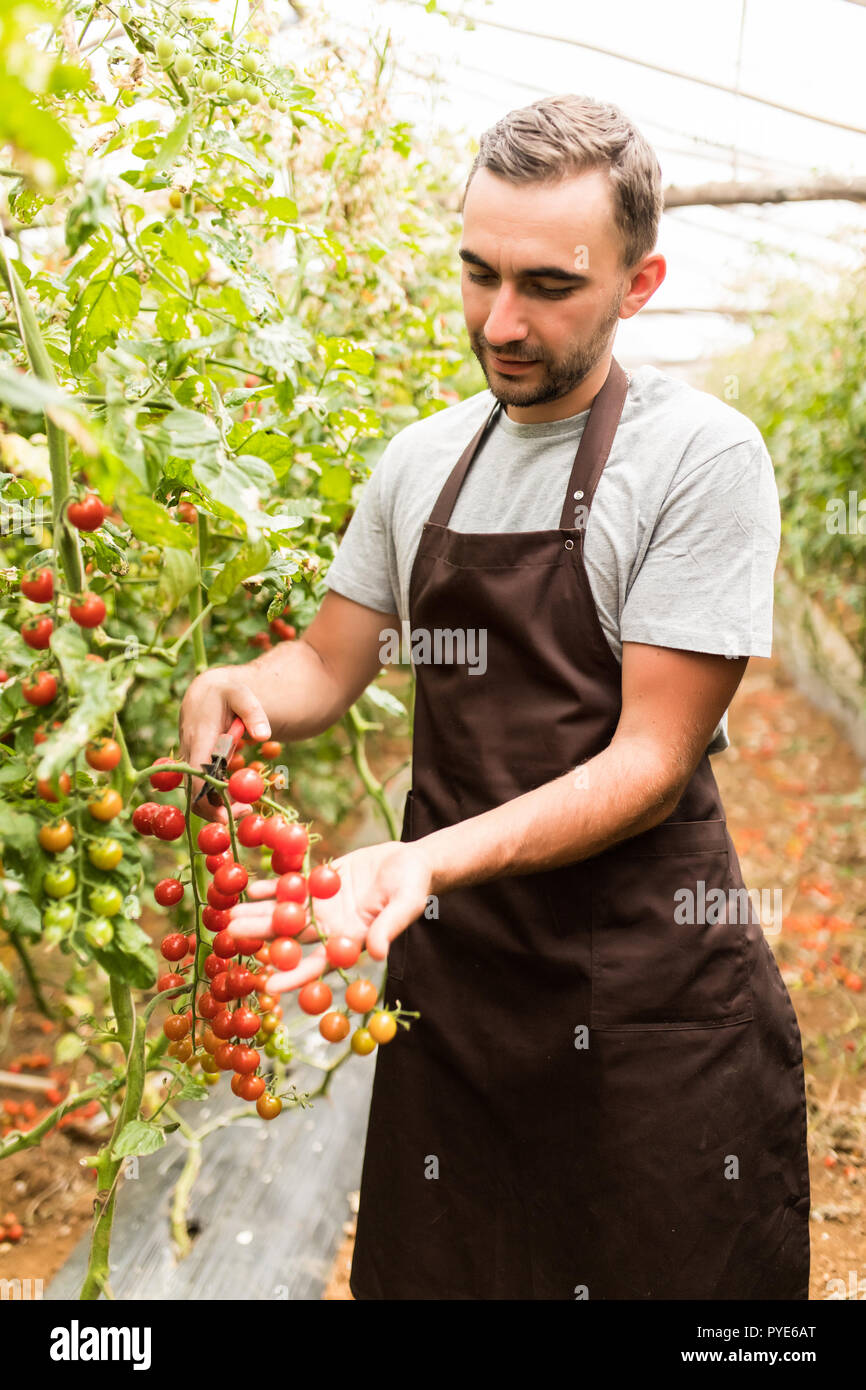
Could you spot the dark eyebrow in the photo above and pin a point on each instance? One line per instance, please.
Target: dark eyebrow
(538, 272)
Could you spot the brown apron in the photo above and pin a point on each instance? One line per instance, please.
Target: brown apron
(598, 1100)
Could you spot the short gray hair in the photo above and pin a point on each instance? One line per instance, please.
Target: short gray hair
(561, 136)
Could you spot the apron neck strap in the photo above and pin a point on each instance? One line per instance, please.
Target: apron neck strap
(444, 506)
(589, 460)
(595, 446)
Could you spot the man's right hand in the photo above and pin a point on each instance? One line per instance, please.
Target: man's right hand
(207, 710)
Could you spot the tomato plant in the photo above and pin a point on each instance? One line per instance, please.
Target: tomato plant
(202, 354)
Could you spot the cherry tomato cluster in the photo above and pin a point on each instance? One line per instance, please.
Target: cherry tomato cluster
(67, 884)
(227, 1016)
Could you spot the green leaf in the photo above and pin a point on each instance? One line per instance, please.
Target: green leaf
(177, 577)
(17, 832)
(8, 992)
(129, 956)
(103, 308)
(189, 252)
(28, 125)
(189, 431)
(384, 700)
(99, 700)
(150, 522)
(276, 449)
(336, 483)
(173, 143)
(23, 914)
(171, 321)
(281, 209)
(246, 561)
(138, 1137)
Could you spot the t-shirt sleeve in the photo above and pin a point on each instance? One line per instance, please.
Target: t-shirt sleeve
(362, 568)
(706, 579)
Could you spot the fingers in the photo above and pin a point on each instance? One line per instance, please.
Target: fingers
(261, 888)
(245, 704)
(395, 917)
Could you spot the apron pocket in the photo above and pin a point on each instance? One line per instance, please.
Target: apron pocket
(397, 954)
(669, 932)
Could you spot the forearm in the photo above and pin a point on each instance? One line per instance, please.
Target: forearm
(299, 695)
(619, 793)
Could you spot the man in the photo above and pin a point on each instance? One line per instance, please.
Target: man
(603, 1096)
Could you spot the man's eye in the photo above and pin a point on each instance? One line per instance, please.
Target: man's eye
(538, 289)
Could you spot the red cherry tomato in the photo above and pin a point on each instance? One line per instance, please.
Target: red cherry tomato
(216, 861)
(37, 633)
(90, 612)
(250, 831)
(246, 785)
(221, 901)
(169, 981)
(324, 882)
(207, 1004)
(225, 1056)
(169, 823)
(283, 863)
(168, 892)
(334, 1027)
(292, 888)
(38, 585)
(223, 1023)
(142, 817)
(246, 1059)
(213, 838)
(40, 689)
(230, 879)
(251, 1087)
(287, 836)
(224, 945)
(215, 919)
(47, 792)
(240, 981)
(166, 781)
(88, 514)
(284, 954)
(342, 951)
(289, 919)
(246, 1022)
(361, 995)
(315, 997)
(271, 749)
(219, 988)
(173, 947)
(214, 965)
(104, 754)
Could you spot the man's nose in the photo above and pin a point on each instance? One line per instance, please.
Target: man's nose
(505, 322)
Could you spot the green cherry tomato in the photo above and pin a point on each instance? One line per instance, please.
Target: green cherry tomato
(58, 916)
(235, 91)
(210, 81)
(105, 854)
(183, 64)
(99, 932)
(106, 900)
(60, 881)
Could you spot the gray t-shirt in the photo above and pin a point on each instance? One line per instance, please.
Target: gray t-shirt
(683, 534)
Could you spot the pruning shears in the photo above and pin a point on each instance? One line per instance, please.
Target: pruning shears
(226, 746)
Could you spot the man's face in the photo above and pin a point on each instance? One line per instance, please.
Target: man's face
(558, 326)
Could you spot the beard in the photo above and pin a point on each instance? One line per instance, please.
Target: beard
(555, 378)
